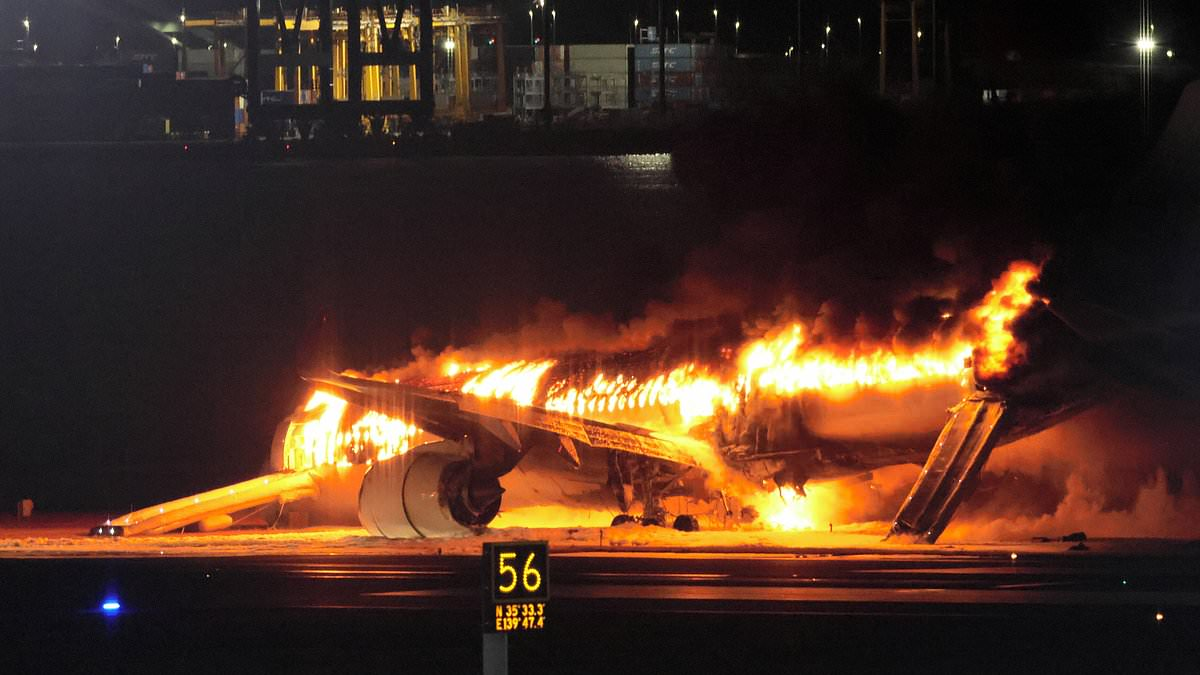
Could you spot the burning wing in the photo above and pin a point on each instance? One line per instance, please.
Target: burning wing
(453, 415)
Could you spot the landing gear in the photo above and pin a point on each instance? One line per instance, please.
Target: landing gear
(686, 523)
(639, 479)
(655, 520)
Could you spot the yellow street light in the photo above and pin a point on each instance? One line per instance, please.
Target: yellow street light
(1145, 43)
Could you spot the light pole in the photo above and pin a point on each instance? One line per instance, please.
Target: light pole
(678, 30)
(636, 36)
(716, 35)
(25, 23)
(737, 34)
(531, 28)
(859, 20)
(554, 26)
(117, 43)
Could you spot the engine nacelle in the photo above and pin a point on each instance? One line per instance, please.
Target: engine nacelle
(431, 491)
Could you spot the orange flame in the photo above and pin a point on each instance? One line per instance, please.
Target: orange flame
(517, 381)
(777, 365)
(782, 363)
(320, 438)
(695, 392)
(1009, 298)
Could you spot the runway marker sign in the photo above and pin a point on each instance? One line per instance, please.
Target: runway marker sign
(516, 586)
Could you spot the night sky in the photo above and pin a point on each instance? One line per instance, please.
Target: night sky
(77, 30)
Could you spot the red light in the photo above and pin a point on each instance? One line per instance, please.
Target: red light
(185, 147)
(287, 147)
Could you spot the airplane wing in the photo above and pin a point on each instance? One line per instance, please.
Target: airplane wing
(451, 414)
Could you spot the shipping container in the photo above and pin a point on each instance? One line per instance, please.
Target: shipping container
(673, 79)
(278, 97)
(674, 51)
(595, 65)
(620, 52)
(673, 65)
(648, 95)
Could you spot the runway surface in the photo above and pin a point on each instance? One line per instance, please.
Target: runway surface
(615, 611)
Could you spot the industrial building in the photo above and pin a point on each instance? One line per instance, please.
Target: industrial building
(298, 73)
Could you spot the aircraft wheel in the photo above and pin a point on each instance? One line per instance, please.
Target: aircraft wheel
(686, 523)
(621, 519)
(657, 521)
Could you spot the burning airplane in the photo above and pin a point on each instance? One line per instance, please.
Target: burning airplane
(725, 431)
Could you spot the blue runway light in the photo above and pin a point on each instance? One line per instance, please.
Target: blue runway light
(111, 606)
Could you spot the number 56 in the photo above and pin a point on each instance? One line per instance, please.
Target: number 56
(531, 579)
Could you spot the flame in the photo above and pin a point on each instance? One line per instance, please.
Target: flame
(999, 350)
(517, 381)
(777, 365)
(783, 363)
(783, 509)
(320, 438)
(696, 393)
(452, 368)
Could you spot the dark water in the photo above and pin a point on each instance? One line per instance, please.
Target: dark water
(156, 312)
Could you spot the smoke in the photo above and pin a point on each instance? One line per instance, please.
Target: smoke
(752, 281)
(861, 503)
(837, 211)
(1128, 468)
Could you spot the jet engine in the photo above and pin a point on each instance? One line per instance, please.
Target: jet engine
(431, 491)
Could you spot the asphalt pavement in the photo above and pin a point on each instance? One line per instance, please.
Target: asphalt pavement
(609, 612)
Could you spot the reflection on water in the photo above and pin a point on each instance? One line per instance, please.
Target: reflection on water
(642, 172)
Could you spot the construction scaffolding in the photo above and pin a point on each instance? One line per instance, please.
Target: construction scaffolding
(363, 67)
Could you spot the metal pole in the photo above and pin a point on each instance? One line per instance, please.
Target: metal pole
(425, 68)
(799, 30)
(495, 654)
(547, 108)
(325, 36)
(933, 41)
(501, 70)
(354, 71)
(882, 47)
(946, 60)
(916, 63)
(662, 61)
(252, 83)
